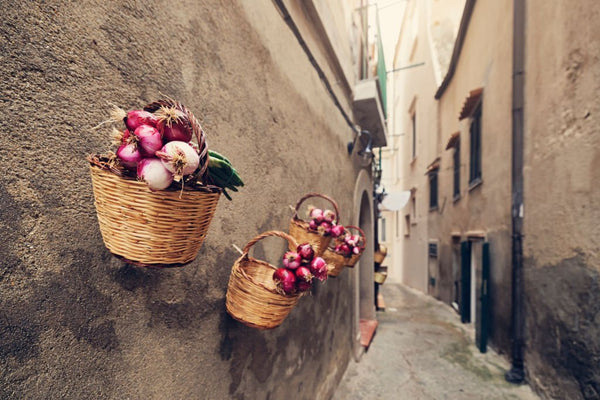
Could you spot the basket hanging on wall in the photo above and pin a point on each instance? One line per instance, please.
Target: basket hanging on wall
(380, 254)
(252, 296)
(337, 261)
(163, 228)
(301, 231)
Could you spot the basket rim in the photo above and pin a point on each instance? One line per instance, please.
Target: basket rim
(315, 194)
(247, 259)
(103, 163)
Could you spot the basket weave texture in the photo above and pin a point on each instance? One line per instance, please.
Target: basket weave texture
(380, 254)
(252, 296)
(300, 230)
(336, 261)
(146, 228)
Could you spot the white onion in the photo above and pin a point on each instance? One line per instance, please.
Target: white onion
(180, 158)
(153, 172)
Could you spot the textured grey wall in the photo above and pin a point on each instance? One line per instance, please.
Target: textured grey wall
(75, 322)
(562, 198)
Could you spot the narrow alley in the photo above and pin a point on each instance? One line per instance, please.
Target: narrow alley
(422, 351)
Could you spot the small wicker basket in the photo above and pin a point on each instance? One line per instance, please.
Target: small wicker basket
(300, 230)
(380, 254)
(336, 261)
(380, 277)
(252, 296)
(163, 228)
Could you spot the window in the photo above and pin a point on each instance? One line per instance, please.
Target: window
(382, 230)
(456, 191)
(475, 150)
(407, 225)
(433, 190)
(433, 249)
(413, 210)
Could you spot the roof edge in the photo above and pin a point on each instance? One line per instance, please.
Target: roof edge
(460, 38)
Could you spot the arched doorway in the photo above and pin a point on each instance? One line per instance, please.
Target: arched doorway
(364, 304)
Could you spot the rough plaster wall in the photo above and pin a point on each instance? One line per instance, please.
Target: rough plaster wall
(562, 164)
(416, 95)
(444, 20)
(76, 323)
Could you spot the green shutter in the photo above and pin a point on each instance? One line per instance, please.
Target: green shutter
(485, 298)
(465, 282)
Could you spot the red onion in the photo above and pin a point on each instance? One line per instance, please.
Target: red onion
(150, 140)
(179, 132)
(343, 249)
(306, 251)
(303, 286)
(153, 172)
(352, 240)
(135, 118)
(324, 228)
(285, 280)
(304, 274)
(173, 125)
(129, 154)
(120, 137)
(316, 214)
(328, 216)
(318, 267)
(337, 230)
(292, 260)
(180, 158)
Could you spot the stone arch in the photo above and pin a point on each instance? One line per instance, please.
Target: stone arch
(362, 273)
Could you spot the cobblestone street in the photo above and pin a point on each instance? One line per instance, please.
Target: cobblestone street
(422, 351)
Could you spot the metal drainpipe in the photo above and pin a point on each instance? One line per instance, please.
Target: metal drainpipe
(517, 372)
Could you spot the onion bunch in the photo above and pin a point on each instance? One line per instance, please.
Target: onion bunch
(350, 245)
(157, 146)
(324, 222)
(299, 270)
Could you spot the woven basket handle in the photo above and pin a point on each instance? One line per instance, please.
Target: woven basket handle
(197, 131)
(309, 195)
(362, 233)
(290, 239)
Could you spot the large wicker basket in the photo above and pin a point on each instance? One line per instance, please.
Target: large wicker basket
(163, 228)
(252, 296)
(336, 261)
(300, 230)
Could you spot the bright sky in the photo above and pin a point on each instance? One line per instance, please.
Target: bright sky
(391, 13)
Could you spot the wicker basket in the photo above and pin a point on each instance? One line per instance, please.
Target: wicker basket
(163, 228)
(300, 230)
(252, 297)
(380, 254)
(380, 277)
(336, 261)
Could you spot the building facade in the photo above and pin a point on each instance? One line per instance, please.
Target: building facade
(421, 58)
(274, 84)
(510, 152)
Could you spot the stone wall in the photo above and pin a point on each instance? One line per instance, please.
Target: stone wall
(75, 322)
(561, 247)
